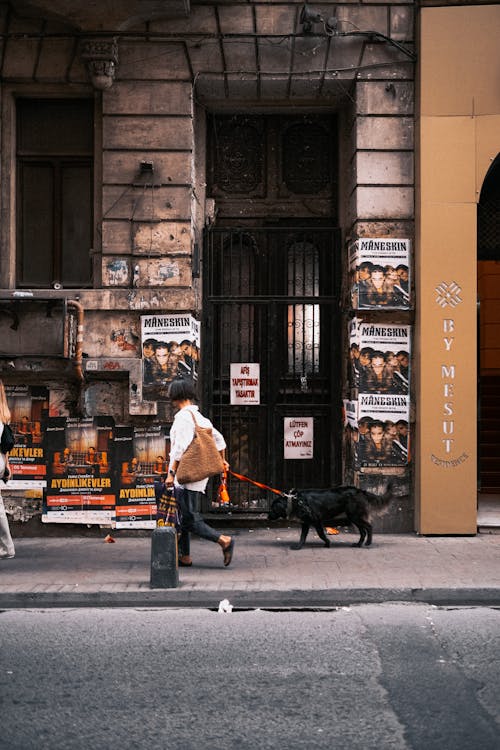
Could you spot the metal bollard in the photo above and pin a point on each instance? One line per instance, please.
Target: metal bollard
(164, 566)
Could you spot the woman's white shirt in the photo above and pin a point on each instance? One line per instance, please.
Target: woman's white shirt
(182, 434)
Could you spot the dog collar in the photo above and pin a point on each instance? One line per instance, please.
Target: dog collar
(289, 502)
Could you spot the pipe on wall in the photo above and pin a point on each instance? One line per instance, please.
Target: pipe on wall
(79, 337)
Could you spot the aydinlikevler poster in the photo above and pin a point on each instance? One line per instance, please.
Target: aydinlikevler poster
(141, 457)
(80, 487)
(29, 406)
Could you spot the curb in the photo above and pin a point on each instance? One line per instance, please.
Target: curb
(244, 599)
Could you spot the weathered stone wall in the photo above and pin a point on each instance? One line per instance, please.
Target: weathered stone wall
(150, 208)
(380, 143)
(383, 196)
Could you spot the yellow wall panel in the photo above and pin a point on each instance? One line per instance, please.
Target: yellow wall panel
(446, 378)
(458, 53)
(447, 171)
(459, 137)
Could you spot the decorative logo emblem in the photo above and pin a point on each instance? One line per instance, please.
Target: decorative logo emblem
(448, 294)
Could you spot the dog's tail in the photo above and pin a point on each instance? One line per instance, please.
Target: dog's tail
(379, 504)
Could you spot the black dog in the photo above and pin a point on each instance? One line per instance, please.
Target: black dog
(319, 507)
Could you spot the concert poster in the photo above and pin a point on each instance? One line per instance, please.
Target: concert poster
(170, 349)
(379, 357)
(28, 408)
(380, 273)
(377, 430)
(141, 459)
(80, 486)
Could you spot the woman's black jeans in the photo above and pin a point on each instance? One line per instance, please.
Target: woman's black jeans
(189, 503)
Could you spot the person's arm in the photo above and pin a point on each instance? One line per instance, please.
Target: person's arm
(181, 436)
(221, 446)
(171, 473)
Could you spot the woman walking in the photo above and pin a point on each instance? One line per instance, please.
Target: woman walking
(181, 394)
(6, 544)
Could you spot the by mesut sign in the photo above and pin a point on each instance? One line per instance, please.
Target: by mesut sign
(448, 295)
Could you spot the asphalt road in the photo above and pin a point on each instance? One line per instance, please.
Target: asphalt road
(372, 676)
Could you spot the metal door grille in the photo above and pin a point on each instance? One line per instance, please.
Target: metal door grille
(272, 297)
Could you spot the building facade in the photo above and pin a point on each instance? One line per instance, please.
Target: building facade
(289, 192)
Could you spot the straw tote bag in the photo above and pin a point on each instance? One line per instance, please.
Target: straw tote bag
(201, 458)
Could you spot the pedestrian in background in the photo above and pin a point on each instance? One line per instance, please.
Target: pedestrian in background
(6, 544)
(181, 394)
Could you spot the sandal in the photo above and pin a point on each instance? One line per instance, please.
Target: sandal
(185, 561)
(228, 553)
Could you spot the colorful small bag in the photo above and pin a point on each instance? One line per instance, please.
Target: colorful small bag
(168, 513)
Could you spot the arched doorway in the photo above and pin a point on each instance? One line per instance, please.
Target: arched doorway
(488, 248)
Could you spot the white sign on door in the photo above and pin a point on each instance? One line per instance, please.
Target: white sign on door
(299, 437)
(245, 383)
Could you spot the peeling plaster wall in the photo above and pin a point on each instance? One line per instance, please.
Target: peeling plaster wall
(108, 334)
(107, 398)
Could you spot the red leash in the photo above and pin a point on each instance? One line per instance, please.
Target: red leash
(257, 484)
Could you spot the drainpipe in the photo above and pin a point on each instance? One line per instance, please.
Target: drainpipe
(79, 338)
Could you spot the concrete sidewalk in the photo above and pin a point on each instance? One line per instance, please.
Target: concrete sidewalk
(265, 572)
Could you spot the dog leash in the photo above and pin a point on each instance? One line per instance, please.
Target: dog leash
(257, 484)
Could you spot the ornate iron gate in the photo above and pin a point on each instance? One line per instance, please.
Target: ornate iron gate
(272, 297)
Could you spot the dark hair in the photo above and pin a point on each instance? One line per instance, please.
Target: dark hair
(150, 342)
(181, 389)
